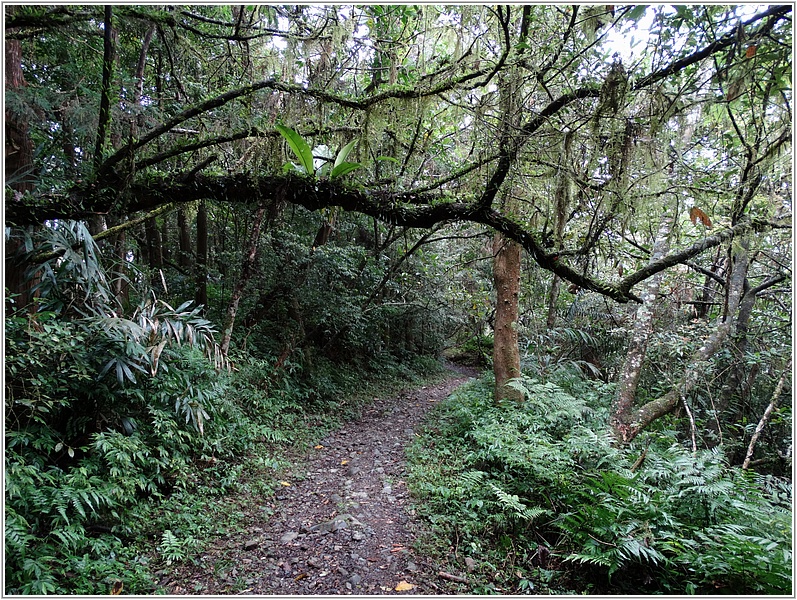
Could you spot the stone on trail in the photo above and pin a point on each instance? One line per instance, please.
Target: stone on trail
(289, 537)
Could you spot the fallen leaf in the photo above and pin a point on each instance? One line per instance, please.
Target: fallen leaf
(344, 462)
(318, 447)
(285, 483)
(116, 588)
(403, 586)
(750, 53)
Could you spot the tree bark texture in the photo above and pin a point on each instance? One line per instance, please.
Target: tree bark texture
(19, 147)
(184, 232)
(665, 404)
(623, 404)
(18, 166)
(506, 354)
(105, 93)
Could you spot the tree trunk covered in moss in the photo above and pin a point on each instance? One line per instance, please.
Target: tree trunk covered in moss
(665, 404)
(623, 404)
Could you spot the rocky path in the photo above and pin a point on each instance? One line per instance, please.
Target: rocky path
(343, 525)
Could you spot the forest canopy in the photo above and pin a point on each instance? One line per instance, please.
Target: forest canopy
(184, 102)
(220, 218)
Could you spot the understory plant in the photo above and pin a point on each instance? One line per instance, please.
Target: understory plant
(538, 491)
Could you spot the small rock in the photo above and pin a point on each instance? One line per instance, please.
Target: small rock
(335, 498)
(343, 572)
(313, 562)
(251, 544)
(355, 579)
(357, 536)
(411, 566)
(470, 564)
(289, 537)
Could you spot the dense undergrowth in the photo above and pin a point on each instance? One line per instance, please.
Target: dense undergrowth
(127, 431)
(538, 499)
(116, 506)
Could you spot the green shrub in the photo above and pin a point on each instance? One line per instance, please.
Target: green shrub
(509, 478)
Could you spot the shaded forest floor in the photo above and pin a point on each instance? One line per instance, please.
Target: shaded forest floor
(341, 522)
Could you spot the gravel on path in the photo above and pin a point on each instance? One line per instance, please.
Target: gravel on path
(343, 525)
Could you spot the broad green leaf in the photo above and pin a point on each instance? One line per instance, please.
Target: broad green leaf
(343, 169)
(344, 153)
(299, 146)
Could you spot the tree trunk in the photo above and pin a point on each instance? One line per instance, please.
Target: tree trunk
(18, 167)
(154, 245)
(247, 270)
(19, 147)
(506, 353)
(184, 255)
(623, 404)
(201, 271)
(105, 93)
(656, 409)
(773, 404)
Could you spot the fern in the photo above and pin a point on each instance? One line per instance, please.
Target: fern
(174, 549)
(517, 508)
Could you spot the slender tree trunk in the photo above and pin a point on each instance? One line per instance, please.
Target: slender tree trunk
(154, 245)
(184, 256)
(97, 223)
(506, 353)
(623, 404)
(665, 404)
(166, 250)
(105, 93)
(739, 378)
(707, 292)
(773, 404)
(19, 147)
(18, 168)
(247, 270)
(553, 297)
(202, 255)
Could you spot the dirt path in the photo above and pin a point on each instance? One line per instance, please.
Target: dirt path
(342, 526)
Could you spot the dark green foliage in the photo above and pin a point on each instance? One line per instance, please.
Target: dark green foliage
(507, 480)
(125, 427)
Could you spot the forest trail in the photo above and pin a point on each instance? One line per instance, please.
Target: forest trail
(343, 525)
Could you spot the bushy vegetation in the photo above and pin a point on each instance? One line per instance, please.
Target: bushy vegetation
(126, 430)
(537, 494)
